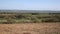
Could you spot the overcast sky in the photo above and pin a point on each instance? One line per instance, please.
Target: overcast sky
(30, 4)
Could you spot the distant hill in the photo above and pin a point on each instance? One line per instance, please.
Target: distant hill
(30, 11)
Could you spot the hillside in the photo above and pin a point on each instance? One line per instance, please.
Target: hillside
(28, 16)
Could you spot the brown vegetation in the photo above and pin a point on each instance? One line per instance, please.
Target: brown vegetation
(30, 28)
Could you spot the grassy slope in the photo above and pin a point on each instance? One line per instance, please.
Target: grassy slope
(29, 18)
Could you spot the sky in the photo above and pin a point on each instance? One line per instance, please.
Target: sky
(30, 4)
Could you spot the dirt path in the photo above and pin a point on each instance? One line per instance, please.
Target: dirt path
(34, 28)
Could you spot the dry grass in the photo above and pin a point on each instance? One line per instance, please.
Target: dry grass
(30, 28)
